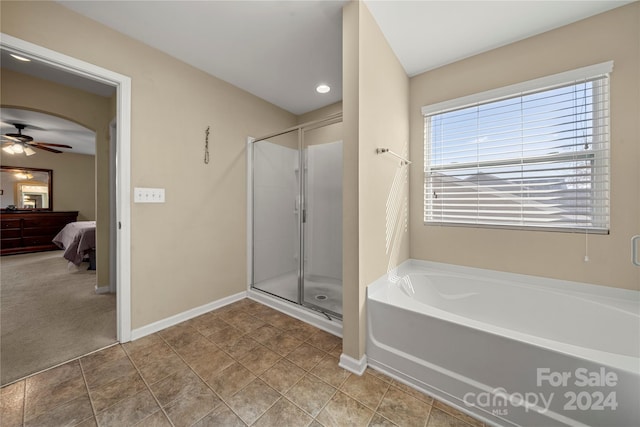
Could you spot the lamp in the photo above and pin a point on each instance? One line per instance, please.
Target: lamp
(24, 175)
(19, 148)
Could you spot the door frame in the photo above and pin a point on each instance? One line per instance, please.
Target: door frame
(333, 326)
(122, 177)
(300, 128)
(113, 205)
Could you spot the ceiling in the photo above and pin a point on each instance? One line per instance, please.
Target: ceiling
(429, 34)
(47, 128)
(281, 50)
(277, 50)
(45, 71)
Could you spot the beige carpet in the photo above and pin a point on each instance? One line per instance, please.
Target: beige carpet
(49, 313)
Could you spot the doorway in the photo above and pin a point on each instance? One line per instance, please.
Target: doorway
(296, 246)
(67, 64)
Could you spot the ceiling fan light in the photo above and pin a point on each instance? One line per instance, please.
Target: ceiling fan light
(8, 149)
(29, 151)
(17, 148)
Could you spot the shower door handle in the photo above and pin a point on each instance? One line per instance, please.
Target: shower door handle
(634, 250)
(304, 216)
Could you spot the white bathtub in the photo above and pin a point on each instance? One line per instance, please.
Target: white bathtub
(509, 349)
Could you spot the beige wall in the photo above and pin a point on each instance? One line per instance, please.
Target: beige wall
(190, 250)
(73, 179)
(614, 35)
(375, 108)
(352, 318)
(320, 113)
(325, 134)
(89, 110)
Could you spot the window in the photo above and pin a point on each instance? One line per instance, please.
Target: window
(528, 156)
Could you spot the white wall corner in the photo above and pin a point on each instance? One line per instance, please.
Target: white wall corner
(185, 315)
(353, 365)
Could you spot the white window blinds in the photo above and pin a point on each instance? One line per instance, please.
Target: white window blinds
(532, 155)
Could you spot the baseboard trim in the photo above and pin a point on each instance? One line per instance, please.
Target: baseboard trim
(353, 365)
(102, 289)
(185, 315)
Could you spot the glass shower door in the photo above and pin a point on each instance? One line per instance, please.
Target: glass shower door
(276, 216)
(322, 180)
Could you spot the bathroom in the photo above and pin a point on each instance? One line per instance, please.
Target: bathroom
(382, 197)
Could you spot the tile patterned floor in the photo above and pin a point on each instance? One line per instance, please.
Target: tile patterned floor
(244, 364)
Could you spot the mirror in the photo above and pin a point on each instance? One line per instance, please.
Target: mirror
(26, 189)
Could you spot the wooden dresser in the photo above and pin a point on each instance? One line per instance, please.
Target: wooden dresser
(30, 231)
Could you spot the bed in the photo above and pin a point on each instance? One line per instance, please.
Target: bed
(78, 240)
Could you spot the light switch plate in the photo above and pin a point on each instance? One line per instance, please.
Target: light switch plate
(148, 195)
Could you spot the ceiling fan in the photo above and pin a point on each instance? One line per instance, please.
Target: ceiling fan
(17, 143)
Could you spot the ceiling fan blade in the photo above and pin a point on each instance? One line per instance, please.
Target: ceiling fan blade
(46, 148)
(12, 138)
(49, 144)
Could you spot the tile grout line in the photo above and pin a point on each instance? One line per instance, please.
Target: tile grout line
(431, 405)
(223, 400)
(323, 406)
(321, 409)
(281, 395)
(271, 406)
(426, 421)
(309, 371)
(57, 365)
(305, 341)
(257, 377)
(86, 385)
(338, 389)
(194, 372)
(107, 383)
(466, 424)
(284, 357)
(147, 385)
(202, 379)
(375, 411)
(389, 386)
(60, 404)
(236, 413)
(24, 404)
(433, 400)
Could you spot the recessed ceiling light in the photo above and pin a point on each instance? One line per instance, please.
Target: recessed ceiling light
(323, 88)
(20, 58)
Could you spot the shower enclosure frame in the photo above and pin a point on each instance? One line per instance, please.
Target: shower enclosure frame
(333, 317)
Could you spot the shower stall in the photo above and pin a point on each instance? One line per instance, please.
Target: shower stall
(295, 215)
